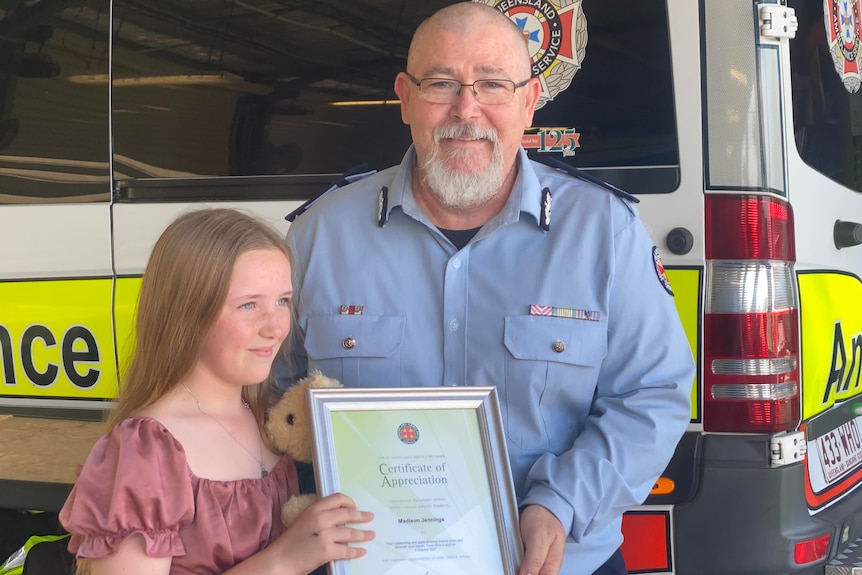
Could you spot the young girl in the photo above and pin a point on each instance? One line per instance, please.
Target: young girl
(185, 480)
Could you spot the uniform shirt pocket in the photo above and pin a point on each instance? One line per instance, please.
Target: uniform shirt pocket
(338, 345)
(551, 373)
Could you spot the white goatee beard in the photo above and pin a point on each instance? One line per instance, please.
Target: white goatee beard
(456, 188)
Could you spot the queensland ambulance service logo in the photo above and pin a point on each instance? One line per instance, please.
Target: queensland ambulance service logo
(660, 271)
(408, 433)
(556, 34)
(842, 32)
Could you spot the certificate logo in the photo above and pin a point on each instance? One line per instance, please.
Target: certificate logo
(408, 433)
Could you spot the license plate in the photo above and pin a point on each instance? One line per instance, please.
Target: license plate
(840, 451)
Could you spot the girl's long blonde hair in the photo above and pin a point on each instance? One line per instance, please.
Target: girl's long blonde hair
(184, 288)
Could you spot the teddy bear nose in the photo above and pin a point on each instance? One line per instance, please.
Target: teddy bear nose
(290, 419)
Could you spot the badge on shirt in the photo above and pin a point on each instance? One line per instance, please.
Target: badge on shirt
(545, 216)
(383, 207)
(350, 310)
(659, 270)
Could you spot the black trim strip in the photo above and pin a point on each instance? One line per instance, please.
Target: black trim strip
(222, 188)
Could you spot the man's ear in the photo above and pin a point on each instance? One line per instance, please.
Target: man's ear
(533, 90)
(402, 89)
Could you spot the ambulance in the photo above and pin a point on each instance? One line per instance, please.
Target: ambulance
(737, 124)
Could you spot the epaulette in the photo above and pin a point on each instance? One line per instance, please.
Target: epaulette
(553, 162)
(353, 174)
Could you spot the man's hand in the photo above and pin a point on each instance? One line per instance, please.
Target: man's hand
(544, 542)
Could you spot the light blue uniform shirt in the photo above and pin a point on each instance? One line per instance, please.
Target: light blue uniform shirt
(593, 404)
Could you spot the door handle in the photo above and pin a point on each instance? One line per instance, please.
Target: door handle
(847, 234)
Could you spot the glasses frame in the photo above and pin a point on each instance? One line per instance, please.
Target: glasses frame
(462, 85)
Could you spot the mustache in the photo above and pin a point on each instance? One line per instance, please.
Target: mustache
(461, 131)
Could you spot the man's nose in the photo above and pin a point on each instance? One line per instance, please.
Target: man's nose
(466, 105)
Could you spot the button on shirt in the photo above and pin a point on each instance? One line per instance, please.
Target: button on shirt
(594, 387)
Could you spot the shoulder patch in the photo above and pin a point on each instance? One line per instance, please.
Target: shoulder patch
(352, 175)
(659, 271)
(553, 162)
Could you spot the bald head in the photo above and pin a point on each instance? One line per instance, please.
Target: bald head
(464, 19)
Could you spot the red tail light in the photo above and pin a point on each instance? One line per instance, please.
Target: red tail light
(811, 550)
(751, 324)
(749, 228)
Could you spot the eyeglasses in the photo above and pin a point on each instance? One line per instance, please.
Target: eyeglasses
(447, 90)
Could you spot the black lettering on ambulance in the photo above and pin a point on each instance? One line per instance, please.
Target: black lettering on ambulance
(31, 334)
(90, 354)
(40, 335)
(6, 355)
(840, 375)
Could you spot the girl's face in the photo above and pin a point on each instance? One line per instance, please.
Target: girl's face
(253, 322)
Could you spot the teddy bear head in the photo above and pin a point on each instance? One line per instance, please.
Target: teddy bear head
(289, 421)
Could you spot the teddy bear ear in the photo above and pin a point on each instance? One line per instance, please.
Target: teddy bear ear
(317, 379)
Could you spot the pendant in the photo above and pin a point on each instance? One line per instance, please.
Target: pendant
(263, 472)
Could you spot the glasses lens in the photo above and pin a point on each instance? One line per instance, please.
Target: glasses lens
(439, 90)
(494, 91)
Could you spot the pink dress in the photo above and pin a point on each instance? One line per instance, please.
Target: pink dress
(137, 480)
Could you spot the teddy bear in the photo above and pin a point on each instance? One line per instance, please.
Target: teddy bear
(289, 428)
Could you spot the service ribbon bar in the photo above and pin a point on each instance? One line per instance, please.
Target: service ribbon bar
(570, 313)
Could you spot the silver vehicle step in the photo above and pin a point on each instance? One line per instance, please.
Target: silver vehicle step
(848, 561)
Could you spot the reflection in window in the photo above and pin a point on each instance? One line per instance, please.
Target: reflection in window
(621, 100)
(258, 87)
(219, 88)
(53, 127)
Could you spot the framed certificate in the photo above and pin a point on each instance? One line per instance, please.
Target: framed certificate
(431, 464)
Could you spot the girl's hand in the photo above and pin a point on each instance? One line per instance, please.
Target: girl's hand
(319, 535)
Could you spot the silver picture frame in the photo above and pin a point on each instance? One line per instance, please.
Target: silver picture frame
(432, 464)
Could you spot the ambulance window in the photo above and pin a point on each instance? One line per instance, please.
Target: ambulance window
(620, 102)
(827, 100)
(54, 102)
(212, 88)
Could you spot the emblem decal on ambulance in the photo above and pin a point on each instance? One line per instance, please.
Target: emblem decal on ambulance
(659, 270)
(842, 33)
(556, 34)
(562, 140)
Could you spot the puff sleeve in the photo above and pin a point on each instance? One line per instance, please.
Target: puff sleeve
(135, 480)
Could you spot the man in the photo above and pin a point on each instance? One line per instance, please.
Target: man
(468, 264)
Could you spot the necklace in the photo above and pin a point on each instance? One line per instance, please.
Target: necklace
(259, 460)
